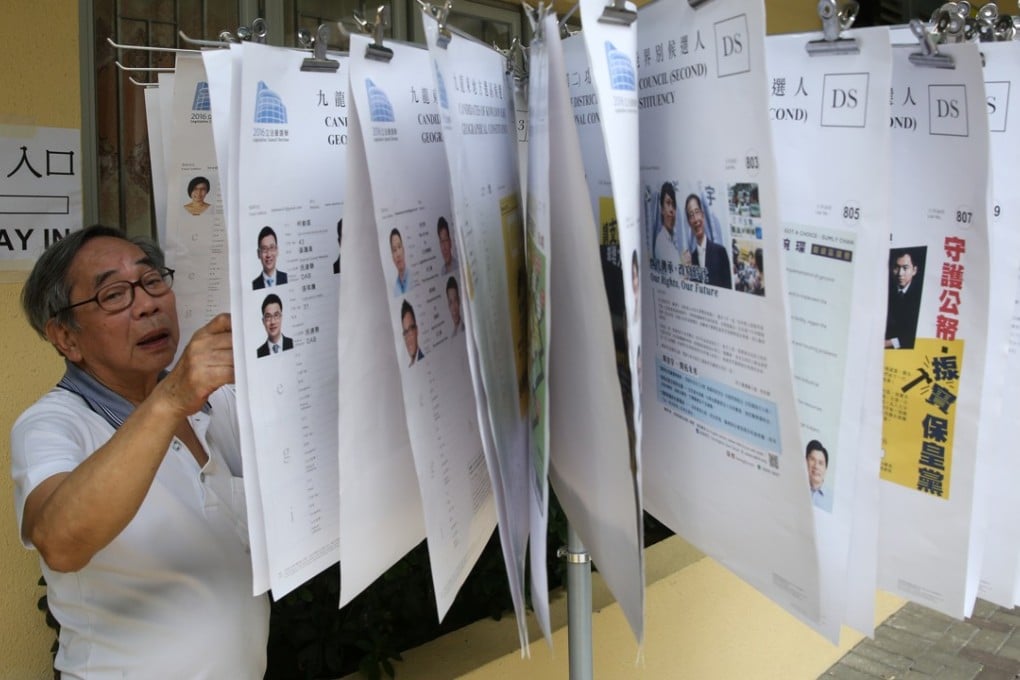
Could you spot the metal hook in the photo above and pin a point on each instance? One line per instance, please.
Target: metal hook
(224, 40)
(146, 48)
(146, 69)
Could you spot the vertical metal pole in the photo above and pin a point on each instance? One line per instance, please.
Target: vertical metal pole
(578, 606)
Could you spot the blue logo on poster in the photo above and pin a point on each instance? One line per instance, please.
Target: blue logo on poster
(621, 71)
(441, 84)
(379, 107)
(269, 108)
(201, 101)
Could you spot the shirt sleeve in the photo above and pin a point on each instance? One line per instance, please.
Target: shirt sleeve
(50, 438)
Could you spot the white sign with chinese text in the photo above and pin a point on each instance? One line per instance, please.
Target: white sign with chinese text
(40, 191)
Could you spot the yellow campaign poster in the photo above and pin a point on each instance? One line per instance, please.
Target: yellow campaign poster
(517, 289)
(609, 232)
(920, 387)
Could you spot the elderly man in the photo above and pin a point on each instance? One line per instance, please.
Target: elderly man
(127, 476)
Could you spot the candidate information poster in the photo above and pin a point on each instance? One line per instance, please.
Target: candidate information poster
(935, 330)
(196, 238)
(590, 467)
(476, 107)
(423, 288)
(610, 48)
(830, 118)
(1000, 568)
(223, 69)
(539, 303)
(605, 114)
(40, 191)
(381, 516)
(291, 163)
(721, 431)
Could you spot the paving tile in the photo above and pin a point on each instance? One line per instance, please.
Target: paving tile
(843, 672)
(928, 664)
(983, 609)
(951, 644)
(913, 675)
(1010, 651)
(963, 628)
(920, 624)
(953, 663)
(994, 674)
(987, 641)
(900, 641)
(952, 674)
(867, 665)
(988, 659)
(1008, 616)
(992, 624)
(869, 649)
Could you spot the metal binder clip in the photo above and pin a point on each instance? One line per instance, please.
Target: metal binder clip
(617, 13)
(834, 21)
(256, 33)
(565, 31)
(376, 51)
(992, 27)
(517, 57)
(929, 54)
(442, 14)
(319, 61)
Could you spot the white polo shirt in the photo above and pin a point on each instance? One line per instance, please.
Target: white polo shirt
(171, 596)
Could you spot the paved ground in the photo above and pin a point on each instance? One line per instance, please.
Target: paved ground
(917, 643)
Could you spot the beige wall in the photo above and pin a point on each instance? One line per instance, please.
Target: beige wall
(39, 79)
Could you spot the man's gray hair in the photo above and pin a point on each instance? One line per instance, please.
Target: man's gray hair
(47, 291)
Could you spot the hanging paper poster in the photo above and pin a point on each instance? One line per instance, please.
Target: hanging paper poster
(1000, 568)
(290, 200)
(476, 108)
(721, 431)
(603, 92)
(223, 69)
(424, 290)
(935, 331)
(40, 191)
(590, 467)
(835, 230)
(539, 308)
(381, 516)
(157, 162)
(196, 240)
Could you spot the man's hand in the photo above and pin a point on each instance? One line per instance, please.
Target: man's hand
(206, 364)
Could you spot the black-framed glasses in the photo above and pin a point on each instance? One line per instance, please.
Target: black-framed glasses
(119, 295)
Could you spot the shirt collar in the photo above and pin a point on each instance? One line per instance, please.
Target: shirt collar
(113, 408)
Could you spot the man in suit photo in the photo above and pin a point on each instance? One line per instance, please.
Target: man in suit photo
(905, 283)
(272, 319)
(706, 253)
(267, 252)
